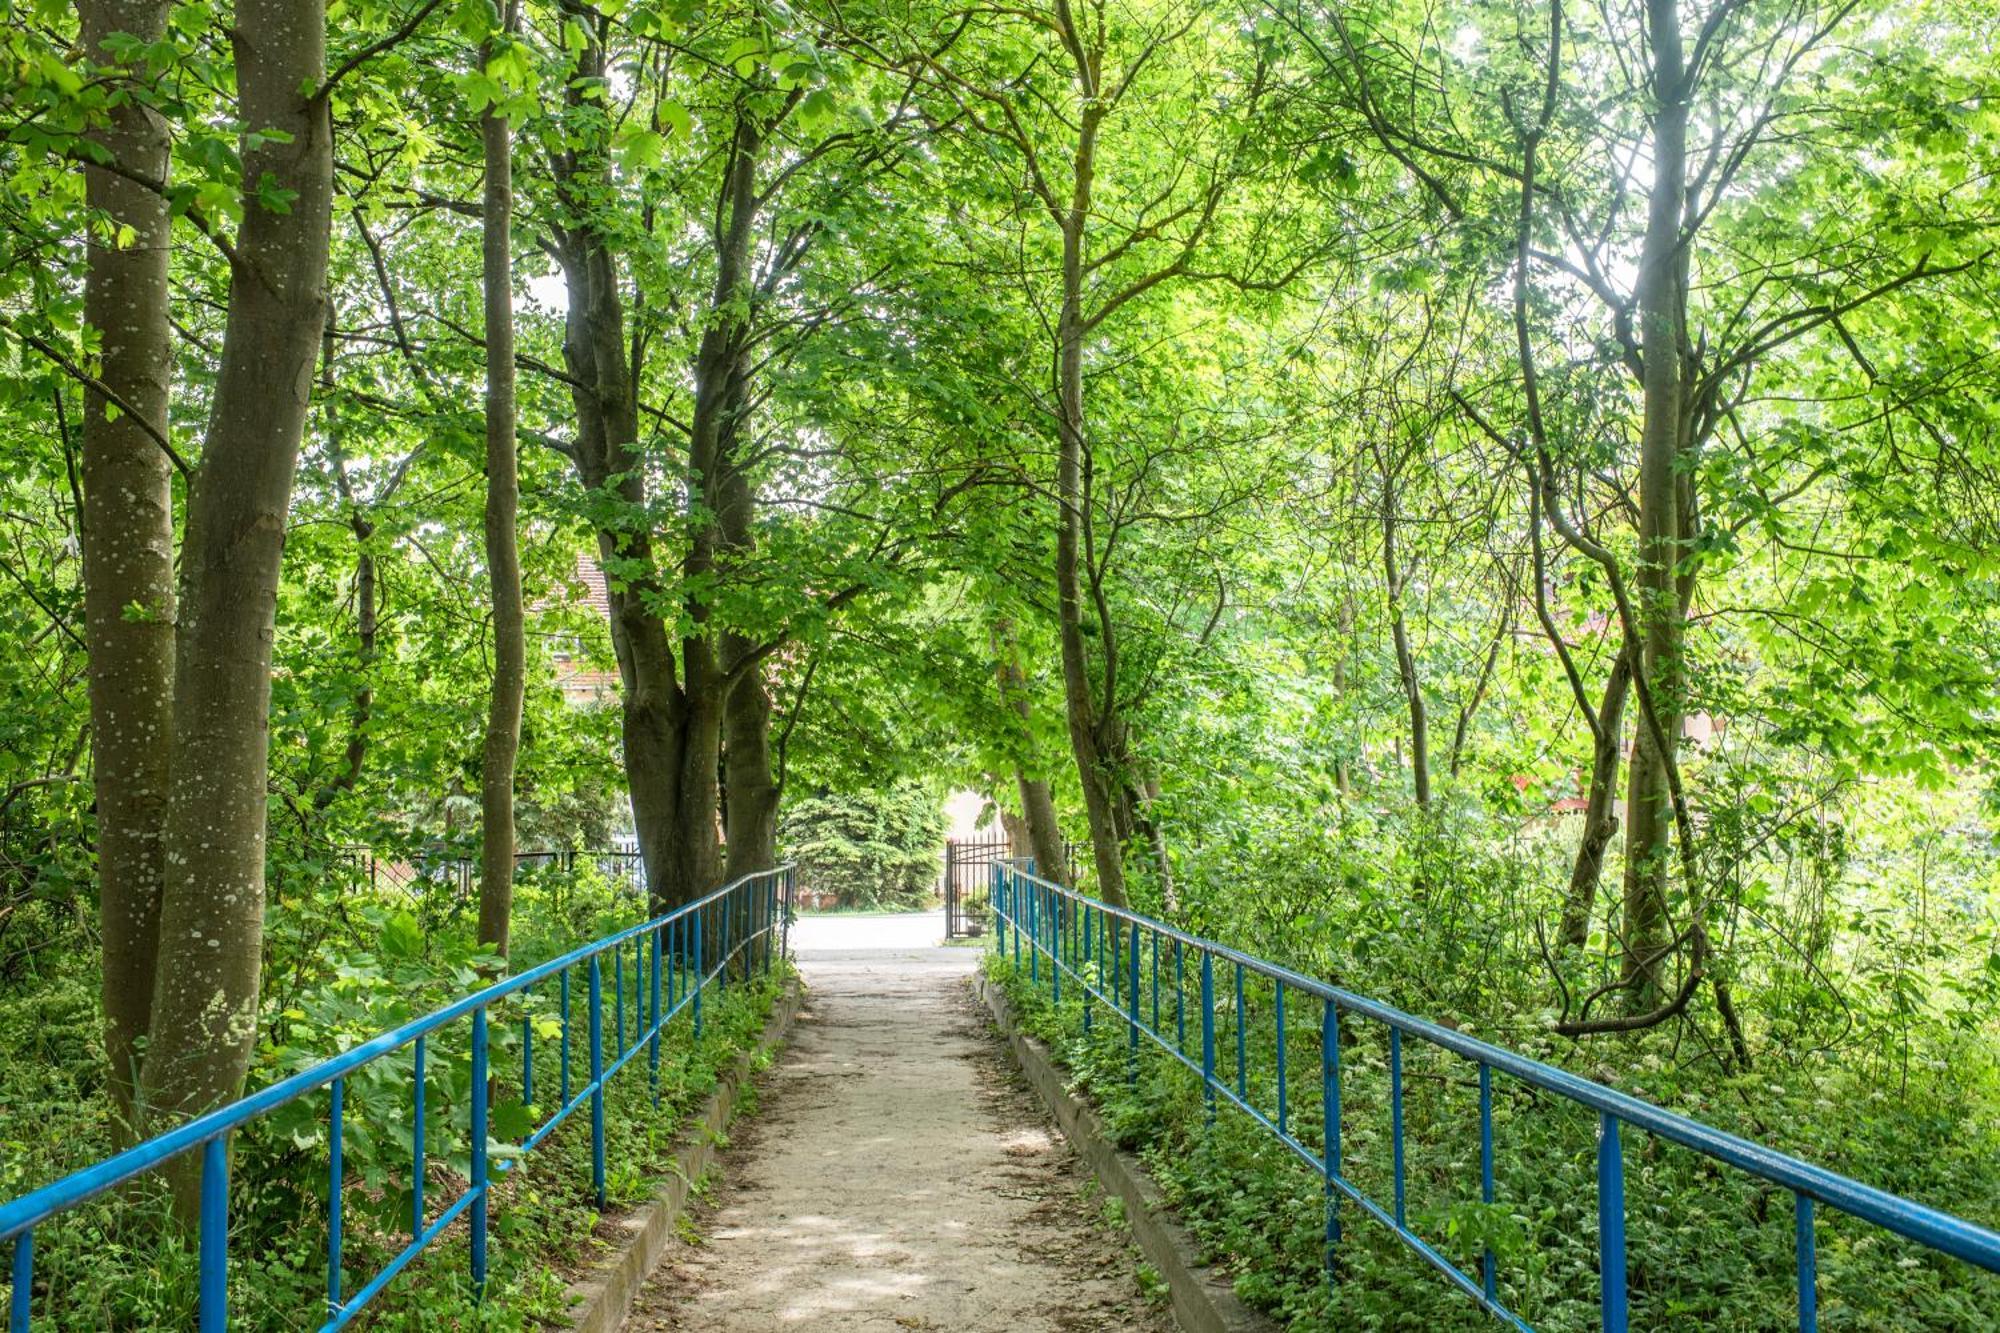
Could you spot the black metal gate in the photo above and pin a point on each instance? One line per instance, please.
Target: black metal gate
(968, 879)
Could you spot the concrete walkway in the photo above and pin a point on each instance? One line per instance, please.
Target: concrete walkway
(897, 1175)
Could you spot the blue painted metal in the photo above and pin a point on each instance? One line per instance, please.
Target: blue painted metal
(418, 1074)
(213, 1315)
(1808, 1262)
(1486, 1273)
(481, 1177)
(653, 1047)
(1329, 1073)
(527, 1052)
(1812, 1185)
(21, 1306)
(765, 915)
(1396, 1114)
(1242, 1039)
(1611, 1225)
(334, 1186)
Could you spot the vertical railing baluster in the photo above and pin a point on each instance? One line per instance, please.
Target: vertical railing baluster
(1611, 1225)
(1396, 1114)
(1089, 932)
(1208, 1033)
(1155, 938)
(1180, 999)
(653, 1051)
(1808, 1262)
(1486, 1264)
(479, 1136)
(336, 1144)
(1329, 1073)
(597, 1079)
(618, 996)
(20, 1307)
(564, 1075)
(214, 1243)
(1242, 1040)
(527, 1048)
(1132, 996)
(1278, 1008)
(1056, 906)
(1034, 936)
(417, 1163)
(700, 979)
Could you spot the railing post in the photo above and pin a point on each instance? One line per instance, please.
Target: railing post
(1208, 1033)
(1089, 930)
(1808, 1262)
(1487, 1276)
(21, 1307)
(1034, 935)
(597, 1079)
(527, 1048)
(417, 1147)
(653, 1051)
(564, 1077)
(479, 1134)
(700, 972)
(1396, 1114)
(334, 1182)
(1132, 1005)
(1278, 1006)
(1329, 1067)
(1611, 1225)
(1242, 1039)
(214, 1317)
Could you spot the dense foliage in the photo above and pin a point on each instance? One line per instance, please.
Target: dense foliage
(1489, 503)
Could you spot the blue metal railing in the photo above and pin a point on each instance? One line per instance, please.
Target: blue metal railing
(1105, 952)
(747, 920)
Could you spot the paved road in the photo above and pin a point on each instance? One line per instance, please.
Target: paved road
(897, 1175)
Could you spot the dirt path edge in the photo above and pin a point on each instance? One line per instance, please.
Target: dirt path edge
(601, 1300)
(1203, 1300)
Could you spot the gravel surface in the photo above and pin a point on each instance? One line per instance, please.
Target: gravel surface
(897, 1174)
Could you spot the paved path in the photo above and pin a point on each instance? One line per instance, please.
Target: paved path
(897, 1175)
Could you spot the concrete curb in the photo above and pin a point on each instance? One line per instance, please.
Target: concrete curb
(1203, 1300)
(602, 1300)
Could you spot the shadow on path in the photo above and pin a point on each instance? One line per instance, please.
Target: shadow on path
(897, 1175)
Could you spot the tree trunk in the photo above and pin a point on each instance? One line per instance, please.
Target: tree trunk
(1600, 815)
(128, 546)
(1406, 662)
(1661, 298)
(204, 1022)
(1038, 807)
(503, 556)
(1080, 710)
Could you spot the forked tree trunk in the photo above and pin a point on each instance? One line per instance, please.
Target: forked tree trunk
(503, 556)
(128, 548)
(204, 1021)
(1600, 815)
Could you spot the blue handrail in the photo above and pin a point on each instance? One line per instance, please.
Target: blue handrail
(758, 906)
(1088, 942)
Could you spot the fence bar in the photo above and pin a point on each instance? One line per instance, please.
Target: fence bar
(1396, 1114)
(1242, 1037)
(1278, 1006)
(1132, 1003)
(333, 1195)
(20, 1308)
(1487, 1277)
(214, 1317)
(1208, 1033)
(1329, 1074)
(618, 996)
(564, 1089)
(597, 1080)
(527, 1049)
(700, 977)
(1034, 935)
(1156, 982)
(1808, 1259)
(417, 1149)
(1611, 1224)
(1180, 999)
(653, 1055)
(1056, 953)
(1089, 930)
(479, 1131)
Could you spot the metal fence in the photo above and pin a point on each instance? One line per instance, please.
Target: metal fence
(443, 886)
(1123, 961)
(675, 959)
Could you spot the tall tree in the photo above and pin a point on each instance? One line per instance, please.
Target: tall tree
(503, 498)
(128, 530)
